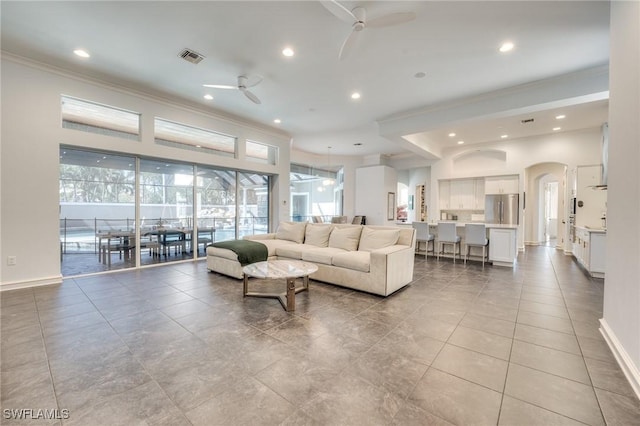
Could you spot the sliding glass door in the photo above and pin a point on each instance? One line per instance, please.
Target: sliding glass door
(182, 208)
(97, 211)
(166, 211)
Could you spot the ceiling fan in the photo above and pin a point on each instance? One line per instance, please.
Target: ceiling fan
(358, 20)
(244, 83)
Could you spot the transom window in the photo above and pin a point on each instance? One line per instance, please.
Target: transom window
(101, 119)
(193, 138)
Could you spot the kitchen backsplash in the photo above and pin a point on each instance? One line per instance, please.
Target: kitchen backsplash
(465, 215)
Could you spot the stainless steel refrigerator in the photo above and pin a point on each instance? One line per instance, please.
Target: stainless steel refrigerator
(501, 208)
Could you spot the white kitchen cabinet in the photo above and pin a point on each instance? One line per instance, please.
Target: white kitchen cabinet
(501, 185)
(478, 194)
(503, 246)
(589, 250)
(445, 194)
(462, 194)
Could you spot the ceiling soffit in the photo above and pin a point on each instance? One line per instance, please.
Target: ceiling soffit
(407, 128)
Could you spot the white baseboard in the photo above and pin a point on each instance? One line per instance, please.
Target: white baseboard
(629, 369)
(15, 285)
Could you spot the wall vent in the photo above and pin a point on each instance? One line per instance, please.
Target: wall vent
(527, 121)
(191, 56)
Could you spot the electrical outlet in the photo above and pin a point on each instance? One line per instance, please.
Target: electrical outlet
(11, 260)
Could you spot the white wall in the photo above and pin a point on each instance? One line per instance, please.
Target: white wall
(32, 134)
(621, 322)
(373, 184)
(513, 157)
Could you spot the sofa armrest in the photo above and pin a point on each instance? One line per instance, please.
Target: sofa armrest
(394, 264)
(388, 250)
(270, 236)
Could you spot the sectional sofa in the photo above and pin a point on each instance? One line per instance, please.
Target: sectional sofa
(374, 259)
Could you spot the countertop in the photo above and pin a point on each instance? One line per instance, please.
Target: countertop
(593, 230)
(462, 224)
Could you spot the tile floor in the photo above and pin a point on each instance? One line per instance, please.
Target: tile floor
(175, 345)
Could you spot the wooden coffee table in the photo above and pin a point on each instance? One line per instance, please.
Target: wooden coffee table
(273, 269)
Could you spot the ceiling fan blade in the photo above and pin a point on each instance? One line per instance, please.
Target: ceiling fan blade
(251, 96)
(349, 44)
(339, 11)
(220, 86)
(391, 19)
(253, 80)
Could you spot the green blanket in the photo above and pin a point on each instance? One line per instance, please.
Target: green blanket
(247, 251)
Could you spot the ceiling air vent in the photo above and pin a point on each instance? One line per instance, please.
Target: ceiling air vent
(527, 121)
(191, 56)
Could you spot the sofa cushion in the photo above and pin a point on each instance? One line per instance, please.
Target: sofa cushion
(293, 251)
(221, 252)
(345, 237)
(272, 245)
(372, 239)
(321, 255)
(358, 260)
(291, 231)
(317, 234)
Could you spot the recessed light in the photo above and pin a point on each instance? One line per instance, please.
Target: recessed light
(506, 46)
(460, 142)
(555, 129)
(208, 97)
(560, 117)
(452, 135)
(504, 136)
(355, 95)
(420, 74)
(198, 146)
(277, 121)
(82, 53)
(287, 51)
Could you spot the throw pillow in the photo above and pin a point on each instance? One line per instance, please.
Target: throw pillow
(317, 234)
(373, 239)
(291, 231)
(345, 238)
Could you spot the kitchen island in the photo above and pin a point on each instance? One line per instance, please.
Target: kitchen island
(589, 249)
(503, 242)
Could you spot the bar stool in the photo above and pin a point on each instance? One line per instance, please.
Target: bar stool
(475, 235)
(447, 235)
(423, 236)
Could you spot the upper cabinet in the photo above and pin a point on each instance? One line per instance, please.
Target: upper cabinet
(478, 196)
(501, 185)
(445, 194)
(462, 194)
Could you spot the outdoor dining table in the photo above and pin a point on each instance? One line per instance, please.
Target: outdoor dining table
(125, 243)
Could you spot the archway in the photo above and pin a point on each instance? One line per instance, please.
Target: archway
(537, 177)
